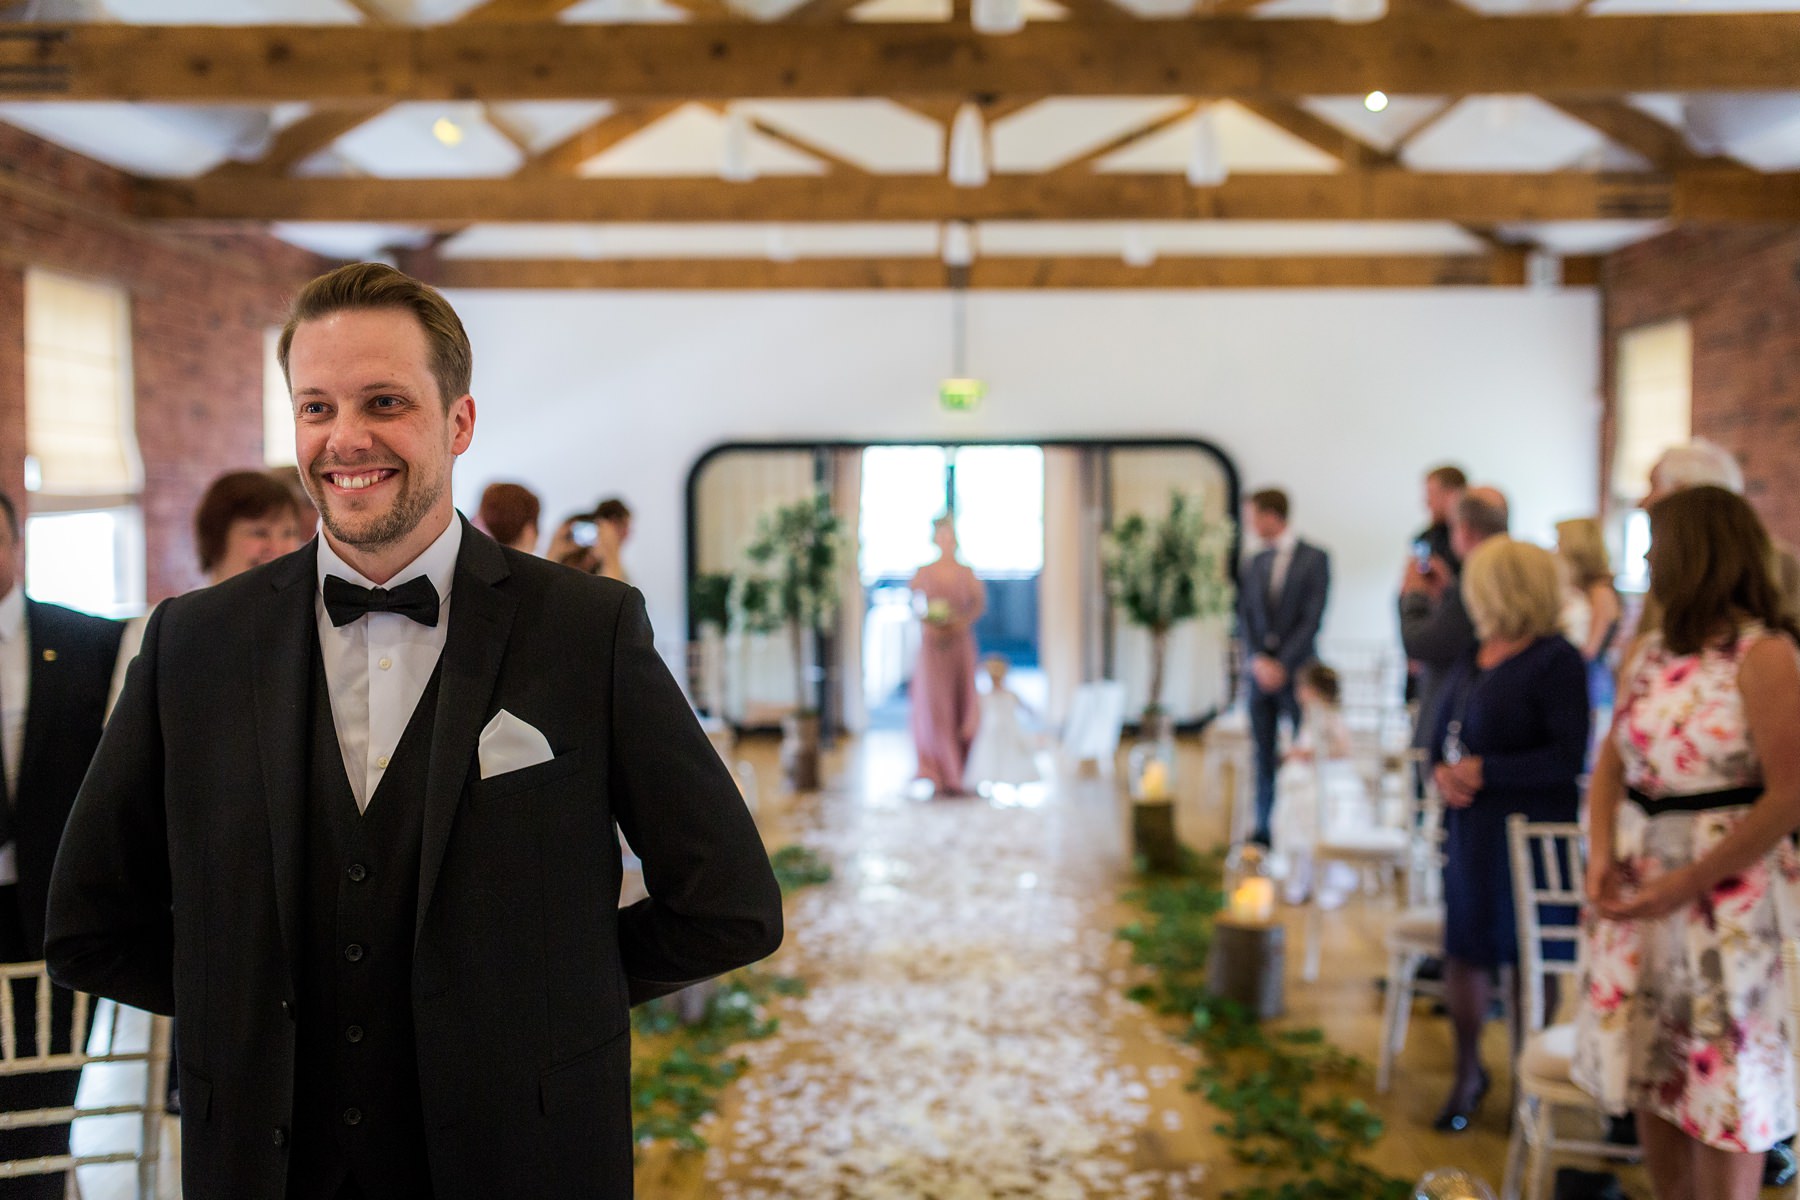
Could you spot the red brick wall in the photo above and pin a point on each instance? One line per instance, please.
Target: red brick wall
(1739, 286)
(199, 305)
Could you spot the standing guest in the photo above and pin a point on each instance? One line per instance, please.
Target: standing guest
(1510, 736)
(355, 820)
(572, 544)
(1700, 463)
(508, 513)
(306, 517)
(1003, 753)
(1444, 486)
(1435, 629)
(1591, 610)
(54, 667)
(245, 519)
(1281, 601)
(612, 522)
(945, 709)
(1693, 801)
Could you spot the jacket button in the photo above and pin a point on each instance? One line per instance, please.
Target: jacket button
(353, 1116)
(353, 952)
(354, 1033)
(357, 872)
(279, 1136)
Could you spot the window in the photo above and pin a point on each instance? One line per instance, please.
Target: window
(85, 531)
(278, 408)
(1655, 398)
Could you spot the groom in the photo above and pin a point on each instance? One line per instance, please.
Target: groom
(353, 821)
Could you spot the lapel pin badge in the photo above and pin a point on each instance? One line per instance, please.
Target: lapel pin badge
(49, 656)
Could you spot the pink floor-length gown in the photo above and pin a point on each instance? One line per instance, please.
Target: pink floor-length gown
(945, 711)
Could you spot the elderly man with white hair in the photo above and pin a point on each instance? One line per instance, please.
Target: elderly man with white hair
(1699, 463)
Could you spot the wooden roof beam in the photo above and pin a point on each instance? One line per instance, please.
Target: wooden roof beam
(1557, 56)
(1384, 195)
(1311, 271)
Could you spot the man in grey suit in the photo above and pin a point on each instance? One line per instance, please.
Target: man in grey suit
(1435, 628)
(1281, 600)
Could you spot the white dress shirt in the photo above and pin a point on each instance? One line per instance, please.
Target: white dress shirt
(15, 692)
(377, 666)
(1284, 558)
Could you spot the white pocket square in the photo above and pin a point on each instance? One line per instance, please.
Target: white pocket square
(509, 744)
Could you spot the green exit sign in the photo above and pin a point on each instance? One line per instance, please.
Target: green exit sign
(961, 395)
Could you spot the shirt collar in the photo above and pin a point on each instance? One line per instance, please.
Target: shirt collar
(1285, 542)
(437, 563)
(12, 613)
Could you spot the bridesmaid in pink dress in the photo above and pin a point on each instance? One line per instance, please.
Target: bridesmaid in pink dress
(944, 708)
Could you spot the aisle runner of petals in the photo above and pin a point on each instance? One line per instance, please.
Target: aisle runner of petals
(953, 1042)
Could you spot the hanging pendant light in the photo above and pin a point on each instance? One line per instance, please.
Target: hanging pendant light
(1206, 165)
(735, 166)
(778, 246)
(968, 148)
(1137, 251)
(959, 245)
(1358, 12)
(997, 16)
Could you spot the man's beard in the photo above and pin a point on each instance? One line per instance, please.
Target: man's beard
(387, 528)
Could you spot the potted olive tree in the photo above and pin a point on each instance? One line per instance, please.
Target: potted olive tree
(1160, 573)
(790, 585)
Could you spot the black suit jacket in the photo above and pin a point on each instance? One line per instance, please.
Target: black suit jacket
(178, 888)
(71, 664)
(1287, 630)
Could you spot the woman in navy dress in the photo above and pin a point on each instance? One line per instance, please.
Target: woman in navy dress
(1511, 737)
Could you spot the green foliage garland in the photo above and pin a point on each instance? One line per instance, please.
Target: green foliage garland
(1262, 1080)
(676, 1083)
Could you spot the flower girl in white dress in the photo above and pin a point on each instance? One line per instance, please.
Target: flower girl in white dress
(1003, 752)
(1317, 790)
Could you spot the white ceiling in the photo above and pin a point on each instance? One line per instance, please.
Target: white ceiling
(412, 140)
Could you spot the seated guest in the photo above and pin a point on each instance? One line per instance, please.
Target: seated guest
(1510, 736)
(1318, 790)
(1693, 801)
(509, 514)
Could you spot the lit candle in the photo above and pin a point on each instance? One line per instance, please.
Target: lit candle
(1253, 901)
(1153, 784)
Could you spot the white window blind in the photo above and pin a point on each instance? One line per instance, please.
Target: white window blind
(78, 396)
(278, 409)
(1655, 368)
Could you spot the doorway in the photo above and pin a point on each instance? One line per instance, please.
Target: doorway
(996, 494)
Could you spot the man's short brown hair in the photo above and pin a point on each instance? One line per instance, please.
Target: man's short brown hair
(1449, 477)
(1273, 501)
(375, 286)
(612, 509)
(237, 496)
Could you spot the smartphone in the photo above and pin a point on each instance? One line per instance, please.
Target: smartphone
(583, 533)
(1422, 556)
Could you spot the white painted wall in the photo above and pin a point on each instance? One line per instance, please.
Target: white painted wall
(1344, 398)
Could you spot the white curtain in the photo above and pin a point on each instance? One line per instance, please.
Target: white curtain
(847, 670)
(1068, 589)
(1195, 681)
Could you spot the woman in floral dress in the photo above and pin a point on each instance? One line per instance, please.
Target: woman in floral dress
(1692, 873)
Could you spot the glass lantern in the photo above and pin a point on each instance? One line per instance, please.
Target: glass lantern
(1249, 888)
(1152, 772)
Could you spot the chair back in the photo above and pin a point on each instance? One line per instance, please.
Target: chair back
(1549, 869)
(70, 1031)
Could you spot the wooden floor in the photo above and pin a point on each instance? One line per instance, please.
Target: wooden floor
(1085, 859)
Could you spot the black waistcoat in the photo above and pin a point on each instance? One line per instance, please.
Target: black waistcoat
(357, 1111)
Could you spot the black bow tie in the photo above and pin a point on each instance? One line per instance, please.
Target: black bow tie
(416, 598)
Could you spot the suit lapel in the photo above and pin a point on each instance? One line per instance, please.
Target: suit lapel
(282, 674)
(481, 619)
(43, 691)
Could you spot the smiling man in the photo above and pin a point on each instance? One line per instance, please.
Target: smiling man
(354, 820)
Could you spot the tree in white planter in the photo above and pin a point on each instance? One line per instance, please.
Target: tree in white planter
(1166, 571)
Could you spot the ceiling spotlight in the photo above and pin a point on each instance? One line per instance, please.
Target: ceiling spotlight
(959, 245)
(968, 148)
(997, 16)
(447, 131)
(1206, 164)
(1376, 102)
